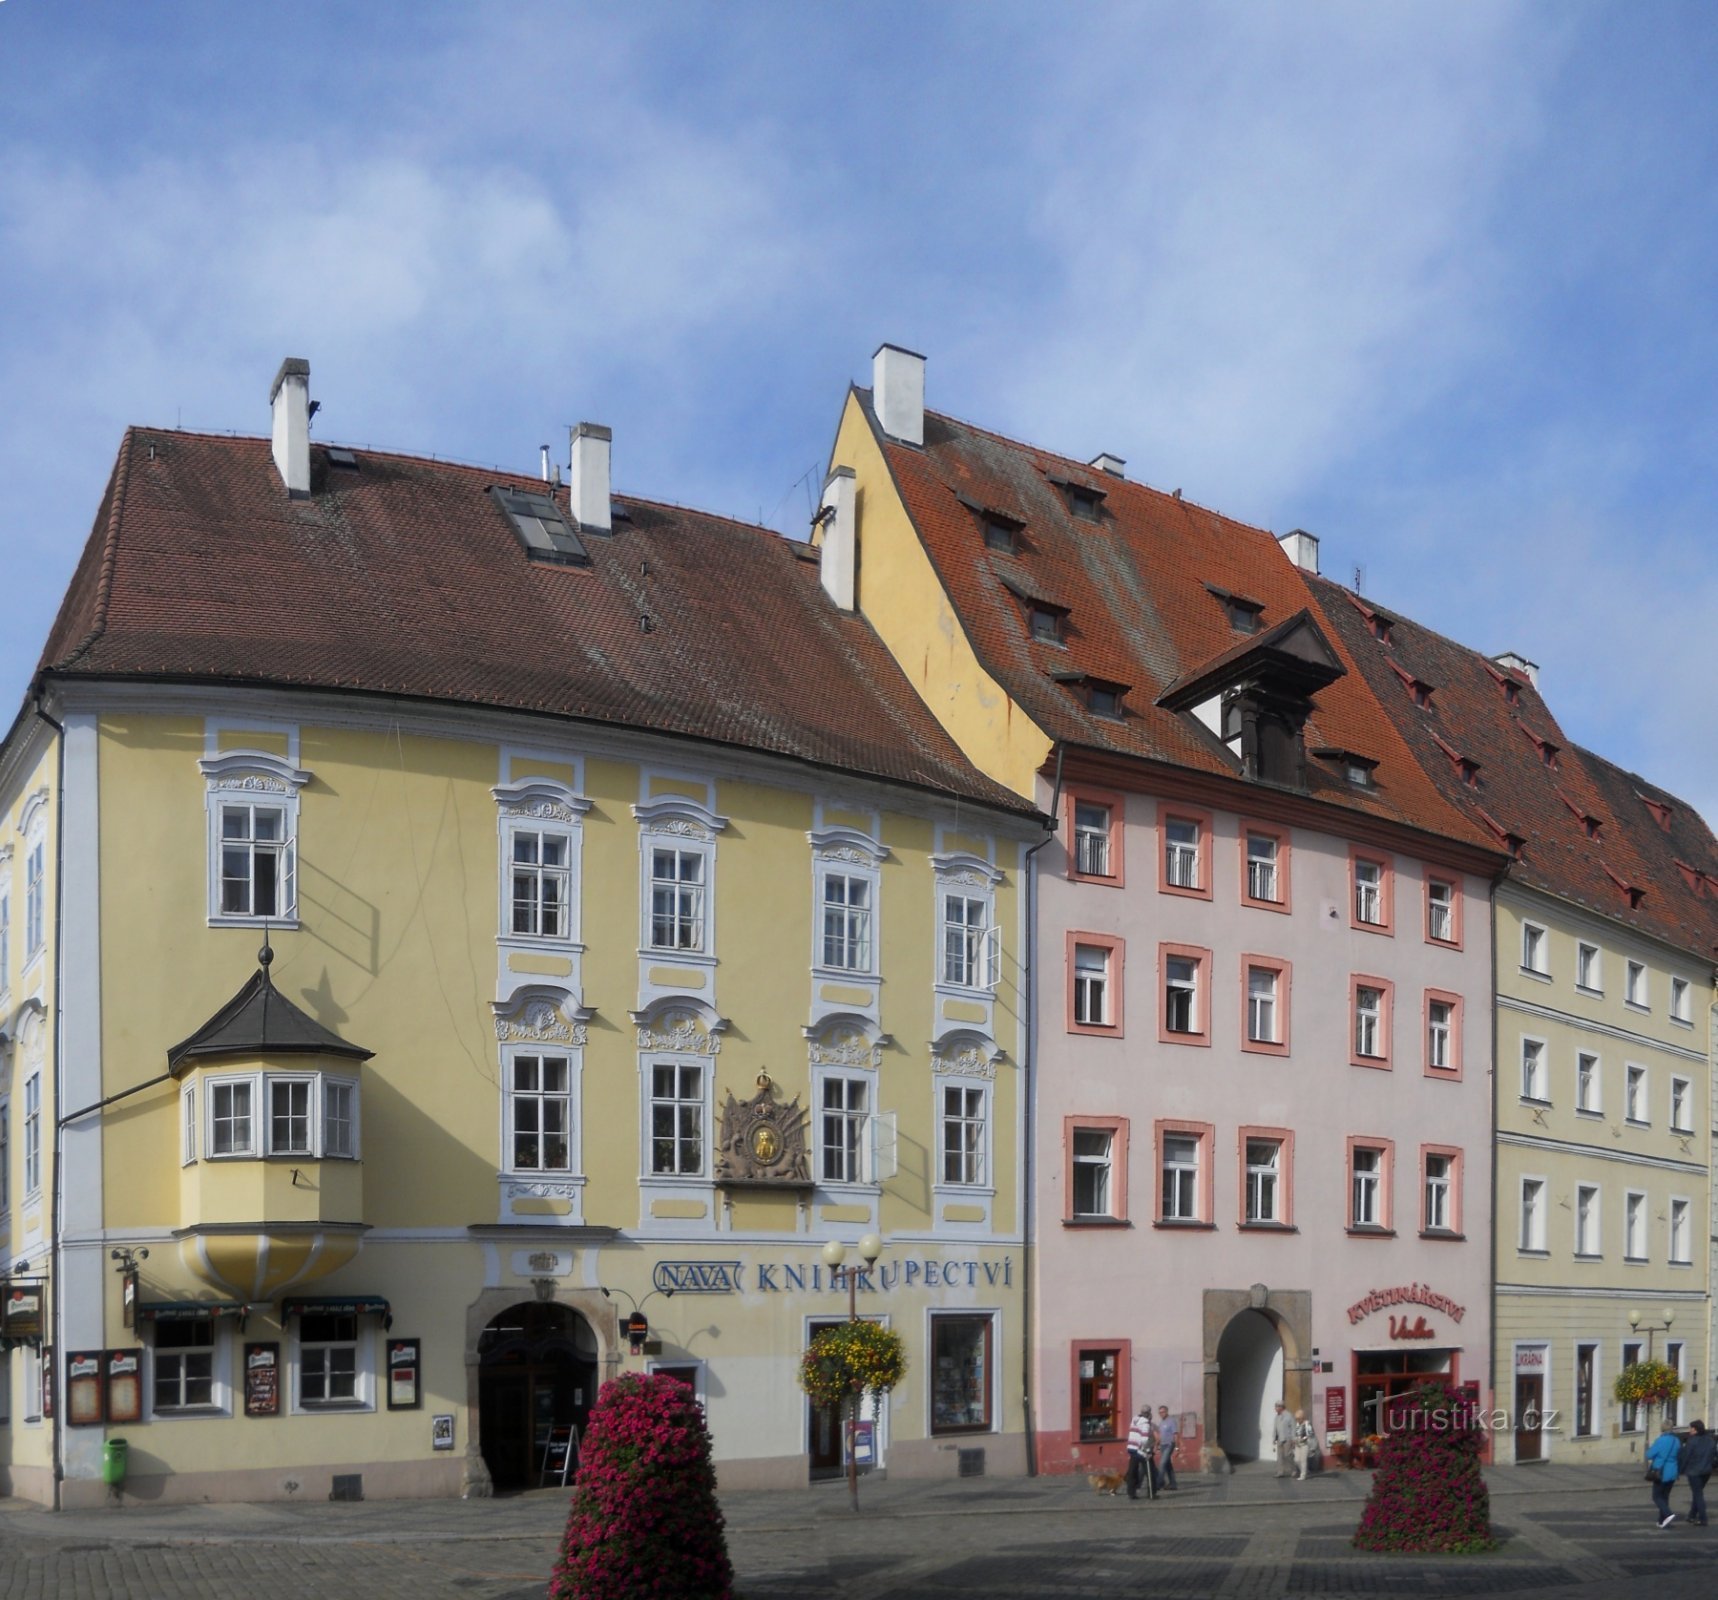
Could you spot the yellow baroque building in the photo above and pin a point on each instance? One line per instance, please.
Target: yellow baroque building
(467, 936)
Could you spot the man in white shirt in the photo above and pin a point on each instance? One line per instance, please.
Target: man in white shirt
(1141, 1435)
(1282, 1434)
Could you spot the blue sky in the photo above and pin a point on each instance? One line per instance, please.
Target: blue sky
(1435, 282)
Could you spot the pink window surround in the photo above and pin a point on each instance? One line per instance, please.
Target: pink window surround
(1123, 1349)
(1116, 877)
(1386, 890)
(1285, 1178)
(1167, 813)
(1285, 972)
(1454, 1070)
(1116, 1128)
(1386, 1020)
(1206, 1134)
(1386, 1226)
(1454, 942)
(1116, 951)
(1457, 1164)
(1200, 1034)
(1281, 835)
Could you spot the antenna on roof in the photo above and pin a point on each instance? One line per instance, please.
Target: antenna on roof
(1359, 580)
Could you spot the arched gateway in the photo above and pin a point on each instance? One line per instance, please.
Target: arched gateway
(537, 1369)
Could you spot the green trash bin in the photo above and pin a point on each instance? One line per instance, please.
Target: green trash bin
(113, 1458)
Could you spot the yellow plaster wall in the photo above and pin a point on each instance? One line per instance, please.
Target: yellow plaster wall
(901, 597)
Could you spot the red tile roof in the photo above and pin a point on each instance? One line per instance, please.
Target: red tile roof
(405, 578)
(1473, 719)
(1138, 587)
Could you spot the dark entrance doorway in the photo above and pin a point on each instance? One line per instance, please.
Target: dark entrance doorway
(827, 1460)
(538, 1369)
(1529, 1416)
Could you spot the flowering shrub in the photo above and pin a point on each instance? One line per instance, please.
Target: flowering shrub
(852, 1358)
(1427, 1494)
(1648, 1383)
(644, 1520)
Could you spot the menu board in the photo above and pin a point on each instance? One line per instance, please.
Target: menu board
(262, 1380)
(83, 1388)
(21, 1315)
(124, 1386)
(405, 1391)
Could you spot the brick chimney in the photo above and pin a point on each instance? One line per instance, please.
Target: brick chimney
(290, 401)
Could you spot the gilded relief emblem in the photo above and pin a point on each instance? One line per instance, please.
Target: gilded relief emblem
(763, 1141)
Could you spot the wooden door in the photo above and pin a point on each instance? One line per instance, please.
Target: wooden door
(1529, 1416)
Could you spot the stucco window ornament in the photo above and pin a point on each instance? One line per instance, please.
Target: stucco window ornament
(762, 1141)
(534, 1015)
(541, 1189)
(253, 772)
(679, 1029)
(540, 800)
(848, 1041)
(678, 817)
(965, 1055)
(34, 811)
(847, 845)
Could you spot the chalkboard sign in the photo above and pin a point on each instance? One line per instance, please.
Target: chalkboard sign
(262, 1380)
(124, 1386)
(560, 1453)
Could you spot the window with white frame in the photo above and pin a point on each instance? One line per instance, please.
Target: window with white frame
(257, 860)
(1369, 892)
(1439, 1192)
(1586, 1219)
(1091, 1181)
(1181, 852)
(1264, 1180)
(32, 1133)
(1091, 985)
(1673, 1358)
(1586, 1389)
(1634, 984)
(964, 1123)
(182, 1359)
(277, 1114)
(289, 1116)
(231, 1129)
(5, 1156)
(1092, 839)
(1681, 1250)
(339, 1119)
(1262, 868)
(847, 907)
(1629, 1421)
(540, 883)
(35, 898)
(1535, 950)
(1440, 910)
(1587, 1077)
(1635, 1105)
(1679, 1005)
(1634, 1226)
(5, 935)
(1532, 1214)
(187, 1125)
(328, 1361)
(844, 1117)
(1681, 1106)
(1181, 994)
(1534, 1085)
(1368, 1020)
(1262, 985)
(677, 882)
(677, 1119)
(968, 946)
(1440, 1021)
(1180, 1177)
(1366, 1187)
(539, 1113)
(1588, 973)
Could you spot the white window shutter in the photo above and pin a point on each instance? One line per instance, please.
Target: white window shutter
(885, 1146)
(990, 966)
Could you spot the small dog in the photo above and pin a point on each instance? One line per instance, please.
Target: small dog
(1107, 1482)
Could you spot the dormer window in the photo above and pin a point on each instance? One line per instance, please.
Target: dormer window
(1419, 691)
(1590, 826)
(1104, 699)
(542, 527)
(1511, 842)
(1046, 622)
(1001, 535)
(1467, 769)
(1243, 614)
(1631, 893)
(1509, 687)
(1378, 624)
(1085, 502)
(1661, 812)
(1547, 750)
(1355, 768)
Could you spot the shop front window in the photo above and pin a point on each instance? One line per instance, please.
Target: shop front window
(960, 1374)
(1100, 1398)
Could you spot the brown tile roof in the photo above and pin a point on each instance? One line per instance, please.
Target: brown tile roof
(404, 578)
(1472, 724)
(1141, 612)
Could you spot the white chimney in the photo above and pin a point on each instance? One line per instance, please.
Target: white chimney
(1512, 661)
(837, 522)
(1115, 466)
(290, 401)
(1301, 548)
(898, 392)
(590, 484)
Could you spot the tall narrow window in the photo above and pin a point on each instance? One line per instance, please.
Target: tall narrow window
(1368, 1021)
(1180, 1177)
(1586, 1081)
(1440, 1019)
(32, 1133)
(1262, 1005)
(1440, 1171)
(5, 1157)
(1262, 868)
(1634, 986)
(1181, 853)
(1586, 1219)
(1587, 974)
(1366, 1187)
(1679, 1007)
(846, 922)
(540, 1113)
(230, 1119)
(677, 899)
(1681, 1116)
(965, 925)
(289, 1117)
(1264, 1180)
(846, 1105)
(256, 861)
(339, 1119)
(1634, 1226)
(1681, 1253)
(963, 1128)
(1586, 1416)
(1533, 1214)
(1440, 911)
(5, 934)
(677, 1120)
(1181, 994)
(1534, 955)
(35, 898)
(540, 880)
(1091, 1182)
(1092, 839)
(1369, 892)
(1091, 985)
(1630, 1419)
(1533, 1085)
(1634, 1094)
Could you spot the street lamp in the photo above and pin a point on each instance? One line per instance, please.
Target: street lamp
(1666, 1316)
(870, 1247)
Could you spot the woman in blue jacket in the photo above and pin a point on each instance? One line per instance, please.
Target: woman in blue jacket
(1661, 1459)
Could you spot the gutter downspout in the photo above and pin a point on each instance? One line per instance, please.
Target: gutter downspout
(54, 1244)
(1027, 1283)
(1496, 1221)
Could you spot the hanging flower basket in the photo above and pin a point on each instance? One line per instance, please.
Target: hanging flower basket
(852, 1358)
(1648, 1383)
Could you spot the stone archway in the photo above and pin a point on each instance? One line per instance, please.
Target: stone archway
(1288, 1315)
(1249, 1383)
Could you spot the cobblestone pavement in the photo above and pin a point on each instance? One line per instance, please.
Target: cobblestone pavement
(1565, 1532)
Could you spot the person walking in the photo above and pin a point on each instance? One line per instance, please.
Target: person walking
(1661, 1463)
(1282, 1435)
(1695, 1461)
(1168, 1431)
(1139, 1468)
(1304, 1438)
